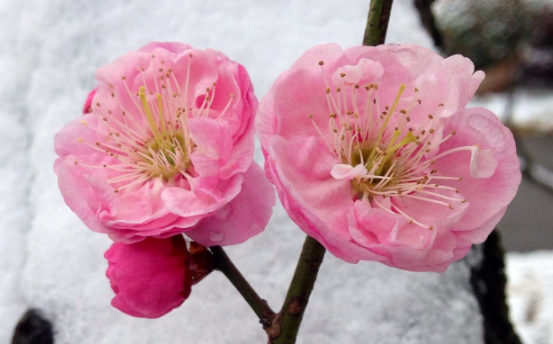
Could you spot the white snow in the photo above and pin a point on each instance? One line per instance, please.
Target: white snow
(531, 108)
(530, 291)
(50, 50)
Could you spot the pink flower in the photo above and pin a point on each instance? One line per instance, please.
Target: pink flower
(374, 154)
(149, 278)
(166, 147)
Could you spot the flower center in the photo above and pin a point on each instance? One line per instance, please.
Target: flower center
(381, 151)
(151, 140)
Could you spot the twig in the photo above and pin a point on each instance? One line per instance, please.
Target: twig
(429, 21)
(257, 304)
(291, 315)
(377, 22)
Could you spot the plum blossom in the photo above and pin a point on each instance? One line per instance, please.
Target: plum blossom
(165, 146)
(375, 155)
(150, 278)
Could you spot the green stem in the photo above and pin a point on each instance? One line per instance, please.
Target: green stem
(257, 304)
(377, 22)
(300, 289)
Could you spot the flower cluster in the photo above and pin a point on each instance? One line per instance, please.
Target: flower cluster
(165, 147)
(372, 151)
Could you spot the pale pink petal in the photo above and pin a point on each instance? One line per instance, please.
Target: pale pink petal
(482, 163)
(245, 216)
(187, 203)
(487, 196)
(78, 194)
(347, 172)
(212, 137)
(364, 71)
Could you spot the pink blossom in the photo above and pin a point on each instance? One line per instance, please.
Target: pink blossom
(150, 278)
(166, 147)
(374, 154)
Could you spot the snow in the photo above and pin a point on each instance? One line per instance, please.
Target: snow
(530, 291)
(50, 50)
(531, 108)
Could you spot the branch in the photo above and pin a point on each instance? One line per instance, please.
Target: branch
(290, 317)
(377, 22)
(258, 305)
(429, 21)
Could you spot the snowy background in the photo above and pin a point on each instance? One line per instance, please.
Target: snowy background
(49, 51)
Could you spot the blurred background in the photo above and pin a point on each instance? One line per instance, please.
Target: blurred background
(49, 51)
(512, 41)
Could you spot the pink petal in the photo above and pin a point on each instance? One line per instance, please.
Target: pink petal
(487, 196)
(245, 216)
(347, 172)
(482, 163)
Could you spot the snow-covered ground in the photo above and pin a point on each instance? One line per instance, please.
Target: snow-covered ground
(49, 51)
(530, 291)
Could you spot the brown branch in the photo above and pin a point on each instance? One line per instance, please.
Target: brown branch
(286, 326)
(429, 21)
(257, 304)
